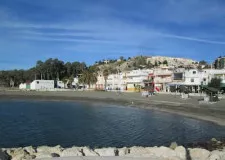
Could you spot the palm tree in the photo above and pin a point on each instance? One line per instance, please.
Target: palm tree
(105, 75)
(88, 77)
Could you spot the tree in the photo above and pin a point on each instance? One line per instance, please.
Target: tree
(215, 83)
(165, 62)
(149, 65)
(88, 77)
(156, 64)
(121, 58)
(105, 75)
(202, 62)
(140, 61)
(65, 80)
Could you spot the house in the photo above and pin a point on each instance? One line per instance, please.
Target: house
(161, 78)
(195, 79)
(100, 84)
(115, 82)
(42, 85)
(106, 61)
(220, 63)
(135, 79)
(60, 84)
(24, 86)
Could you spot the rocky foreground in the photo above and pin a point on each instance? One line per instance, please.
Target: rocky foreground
(161, 153)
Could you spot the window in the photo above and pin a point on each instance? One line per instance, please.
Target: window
(204, 79)
(194, 72)
(37, 82)
(192, 80)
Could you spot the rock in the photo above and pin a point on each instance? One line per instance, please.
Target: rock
(88, 152)
(57, 149)
(40, 155)
(140, 151)
(30, 150)
(105, 151)
(214, 140)
(180, 152)
(216, 155)
(199, 154)
(19, 154)
(123, 151)
(165, 152)
(4, 155)
(172, 158)
(173, 145)
(13, 151)
(162, 152)
(55, 155)
(74, 151)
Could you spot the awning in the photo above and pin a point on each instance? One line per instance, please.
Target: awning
(222, 85)
(210, 89)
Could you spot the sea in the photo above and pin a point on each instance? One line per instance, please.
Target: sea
(71, 123)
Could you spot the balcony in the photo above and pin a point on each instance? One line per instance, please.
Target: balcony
(163, 80)
(162, 73)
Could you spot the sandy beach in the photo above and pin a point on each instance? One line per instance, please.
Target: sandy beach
(163, 102)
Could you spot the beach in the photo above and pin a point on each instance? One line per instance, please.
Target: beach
(162, 102)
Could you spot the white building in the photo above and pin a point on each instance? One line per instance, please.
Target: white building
(75, 81)
(135, 78)
(100, 84)
(161, 77)
(115, 82)
(24, 86)
(194, 79)
(60, 84)
(42, 85)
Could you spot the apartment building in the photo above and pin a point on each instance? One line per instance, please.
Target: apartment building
(115, 82)
(135, 79)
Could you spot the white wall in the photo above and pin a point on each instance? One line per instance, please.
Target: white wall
(22, 86)
(192, 77)
(42, 84)
(137, 76)
(60, 84)
(115, 81)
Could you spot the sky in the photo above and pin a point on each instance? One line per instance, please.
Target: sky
(91, 30)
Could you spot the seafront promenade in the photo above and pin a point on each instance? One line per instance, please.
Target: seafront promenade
(163, 102)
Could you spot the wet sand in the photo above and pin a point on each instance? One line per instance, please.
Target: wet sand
(163, 102)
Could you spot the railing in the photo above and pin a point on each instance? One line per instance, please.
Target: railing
(163, 73)
(162, 80)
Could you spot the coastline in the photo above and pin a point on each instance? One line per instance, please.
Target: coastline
(174, 152)
(214, 113)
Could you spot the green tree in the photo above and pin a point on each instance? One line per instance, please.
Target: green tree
(165, 62)
(88, 77)
(149, 65)
(215, 83)
(140, 60)
(121, 58)
(105, 75)
(65, 80)
(202, 62)
(156, 64)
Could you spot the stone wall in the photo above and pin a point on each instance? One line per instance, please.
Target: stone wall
(162, 153)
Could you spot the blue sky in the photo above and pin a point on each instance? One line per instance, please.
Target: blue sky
(89, 30)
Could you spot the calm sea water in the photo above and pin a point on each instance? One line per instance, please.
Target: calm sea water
(24, 123)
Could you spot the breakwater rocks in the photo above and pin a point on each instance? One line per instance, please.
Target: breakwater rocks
(162, 153)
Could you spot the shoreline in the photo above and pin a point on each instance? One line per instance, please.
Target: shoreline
(175, 152)
(208, 113)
